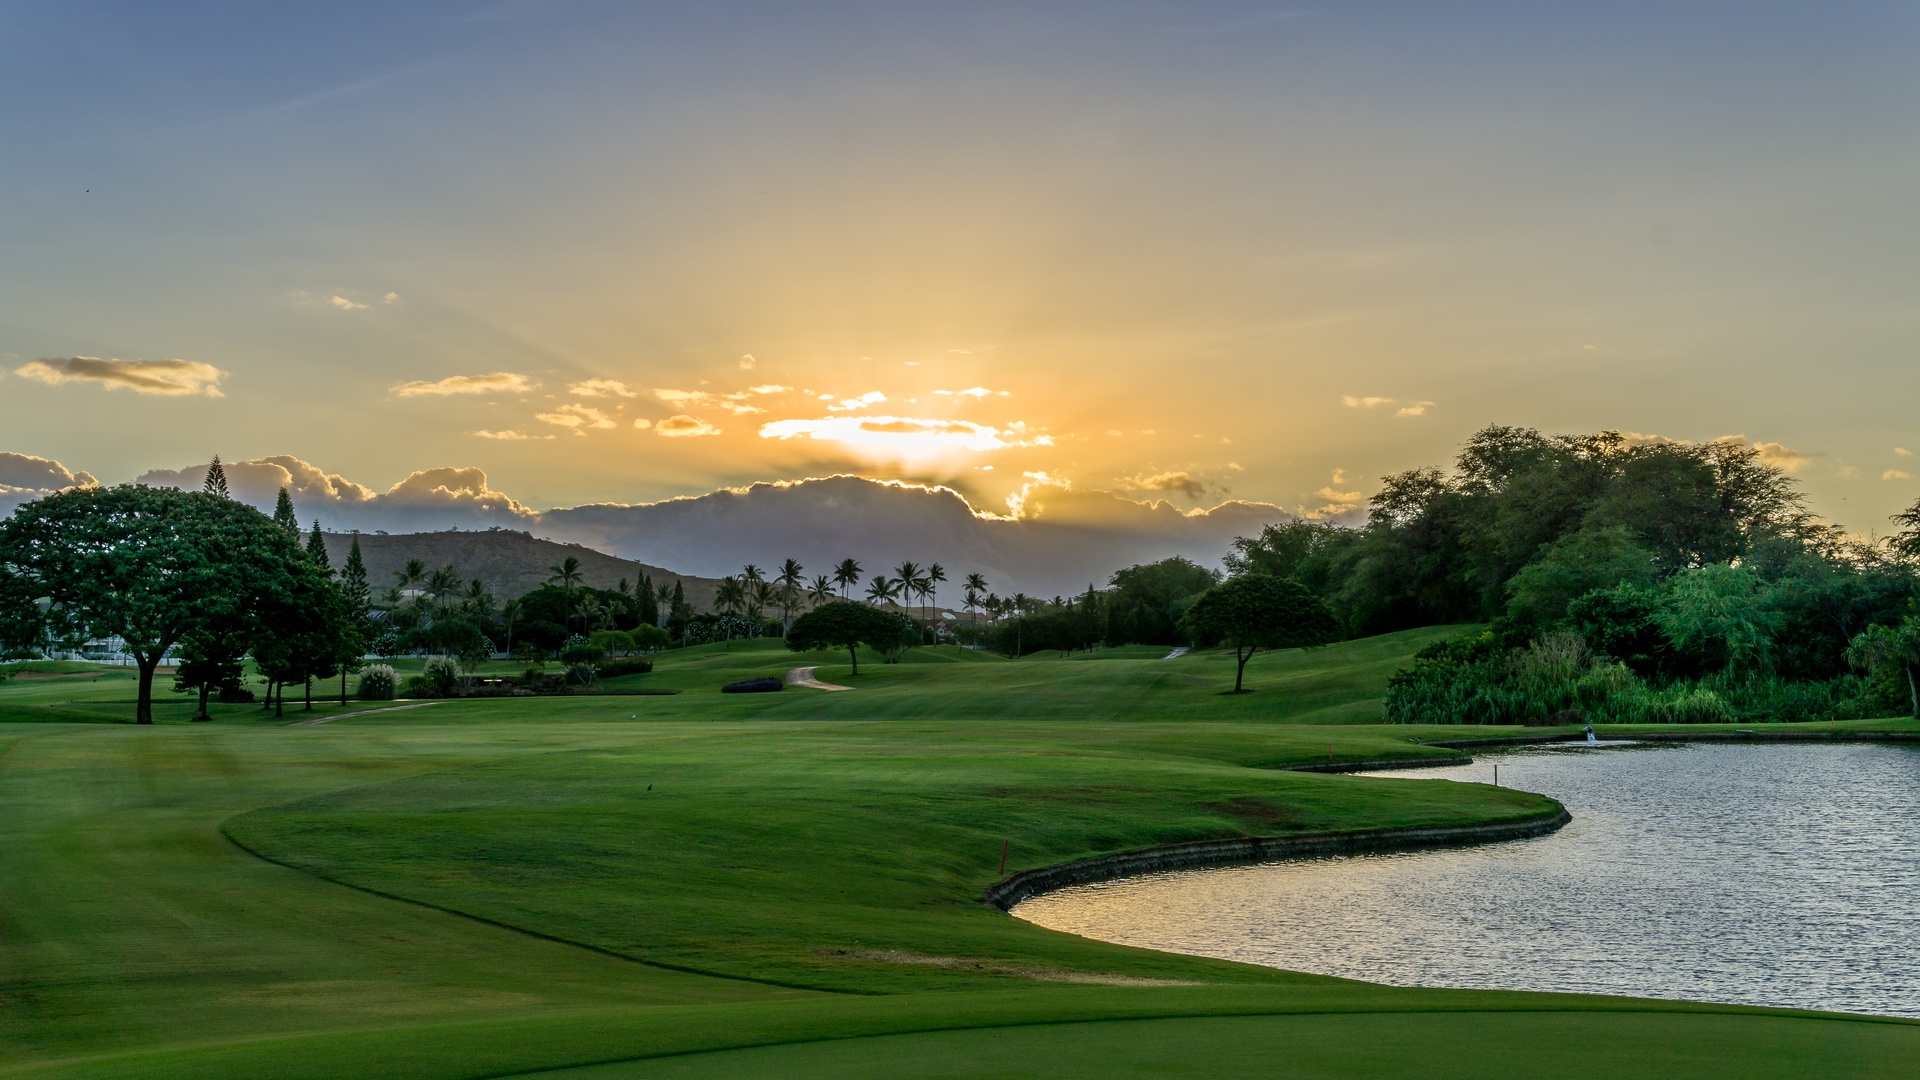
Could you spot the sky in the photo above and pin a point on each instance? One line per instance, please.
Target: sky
(1191, 253)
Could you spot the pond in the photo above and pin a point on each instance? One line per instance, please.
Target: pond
(1754, 874)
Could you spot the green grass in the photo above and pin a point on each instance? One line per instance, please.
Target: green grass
(488, 888)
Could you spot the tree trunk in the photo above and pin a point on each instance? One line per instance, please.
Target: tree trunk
(1242, 655)
(309, 693)
(343, 686)
(204, 686)
(280, 699)
(853, 653)
(143, 711)
(1914, 690)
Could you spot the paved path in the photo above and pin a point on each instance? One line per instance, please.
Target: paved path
(803, 676)
(367, 712)
(1181, 651)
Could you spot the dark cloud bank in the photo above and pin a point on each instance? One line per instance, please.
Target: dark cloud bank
(1060, 541)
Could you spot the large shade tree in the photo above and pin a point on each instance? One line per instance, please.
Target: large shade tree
(844, 624)
(151, 565)
(1255, 612)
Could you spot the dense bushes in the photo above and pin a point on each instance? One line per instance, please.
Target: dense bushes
(377, 682)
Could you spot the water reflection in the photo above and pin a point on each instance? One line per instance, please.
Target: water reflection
(1770, 875)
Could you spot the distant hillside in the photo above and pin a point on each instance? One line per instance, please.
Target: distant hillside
(510, 562)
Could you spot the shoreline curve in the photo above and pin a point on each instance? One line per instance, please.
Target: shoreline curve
(1006, 893)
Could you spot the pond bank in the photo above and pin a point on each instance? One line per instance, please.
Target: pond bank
(1256, 849)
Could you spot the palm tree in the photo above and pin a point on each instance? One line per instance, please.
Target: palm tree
(936, 574)
(568, 574)
(443, 584)
(729, 596)
(750, 574)
(908, 582)
(821, 592)
(846, 575)
(759, 595)
(410, 576)
(792, 580)
(882, 588)
(509, 614)
(976, 588)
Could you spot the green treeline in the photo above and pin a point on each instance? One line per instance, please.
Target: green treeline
(1623, 581)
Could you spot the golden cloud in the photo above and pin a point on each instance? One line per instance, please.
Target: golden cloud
(161, 378)
(497, 382)
(683, 427)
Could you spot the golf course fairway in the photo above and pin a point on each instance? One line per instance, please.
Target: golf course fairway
(786, 884)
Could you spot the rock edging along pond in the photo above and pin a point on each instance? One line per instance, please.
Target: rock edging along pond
(1252, 849)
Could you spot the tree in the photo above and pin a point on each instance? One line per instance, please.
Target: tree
(821, 591)
(844, 624)
(317, 548)
(216, 482)
(149, 565)
(936, 576)
(792, 581)
(567, 574)
(1895, 648)
(358, 597)
(1907, 540)
(283, 515)
(1256, 612)
(908, 584)
(846, 575)
(882, 589)
(976, 586)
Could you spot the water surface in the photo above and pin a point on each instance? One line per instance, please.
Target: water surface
(1757, 874)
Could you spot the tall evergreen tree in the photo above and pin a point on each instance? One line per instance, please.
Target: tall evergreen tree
(353, 578)
(317, 548)
(283, 515)
(217, 479)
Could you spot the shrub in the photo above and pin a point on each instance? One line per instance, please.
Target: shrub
(631, 665)
(438, 675)
(753, 686)
(376, 683)
(235, 694)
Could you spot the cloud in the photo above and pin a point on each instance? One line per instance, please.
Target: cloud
(972, 392)
(1901, 451)
(345, 304)
(1784, 458)
(164, 378)
(682, 397)
(1334, 503)
(498, 382)
(683, 427)
(1352, 402)
(574, 415)
(390, 298)
(747, 362)
(1181, 482)
(905, 436)
(1418, 408)
(768, 388)
(26, 472)
(428, 499)
(600, 388)
(643, 423)
(509, 435)
(24, 478)
(1896, 474)
(871, 397)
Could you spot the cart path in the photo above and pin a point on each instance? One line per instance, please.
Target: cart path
(365, 712)
(803, 676)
